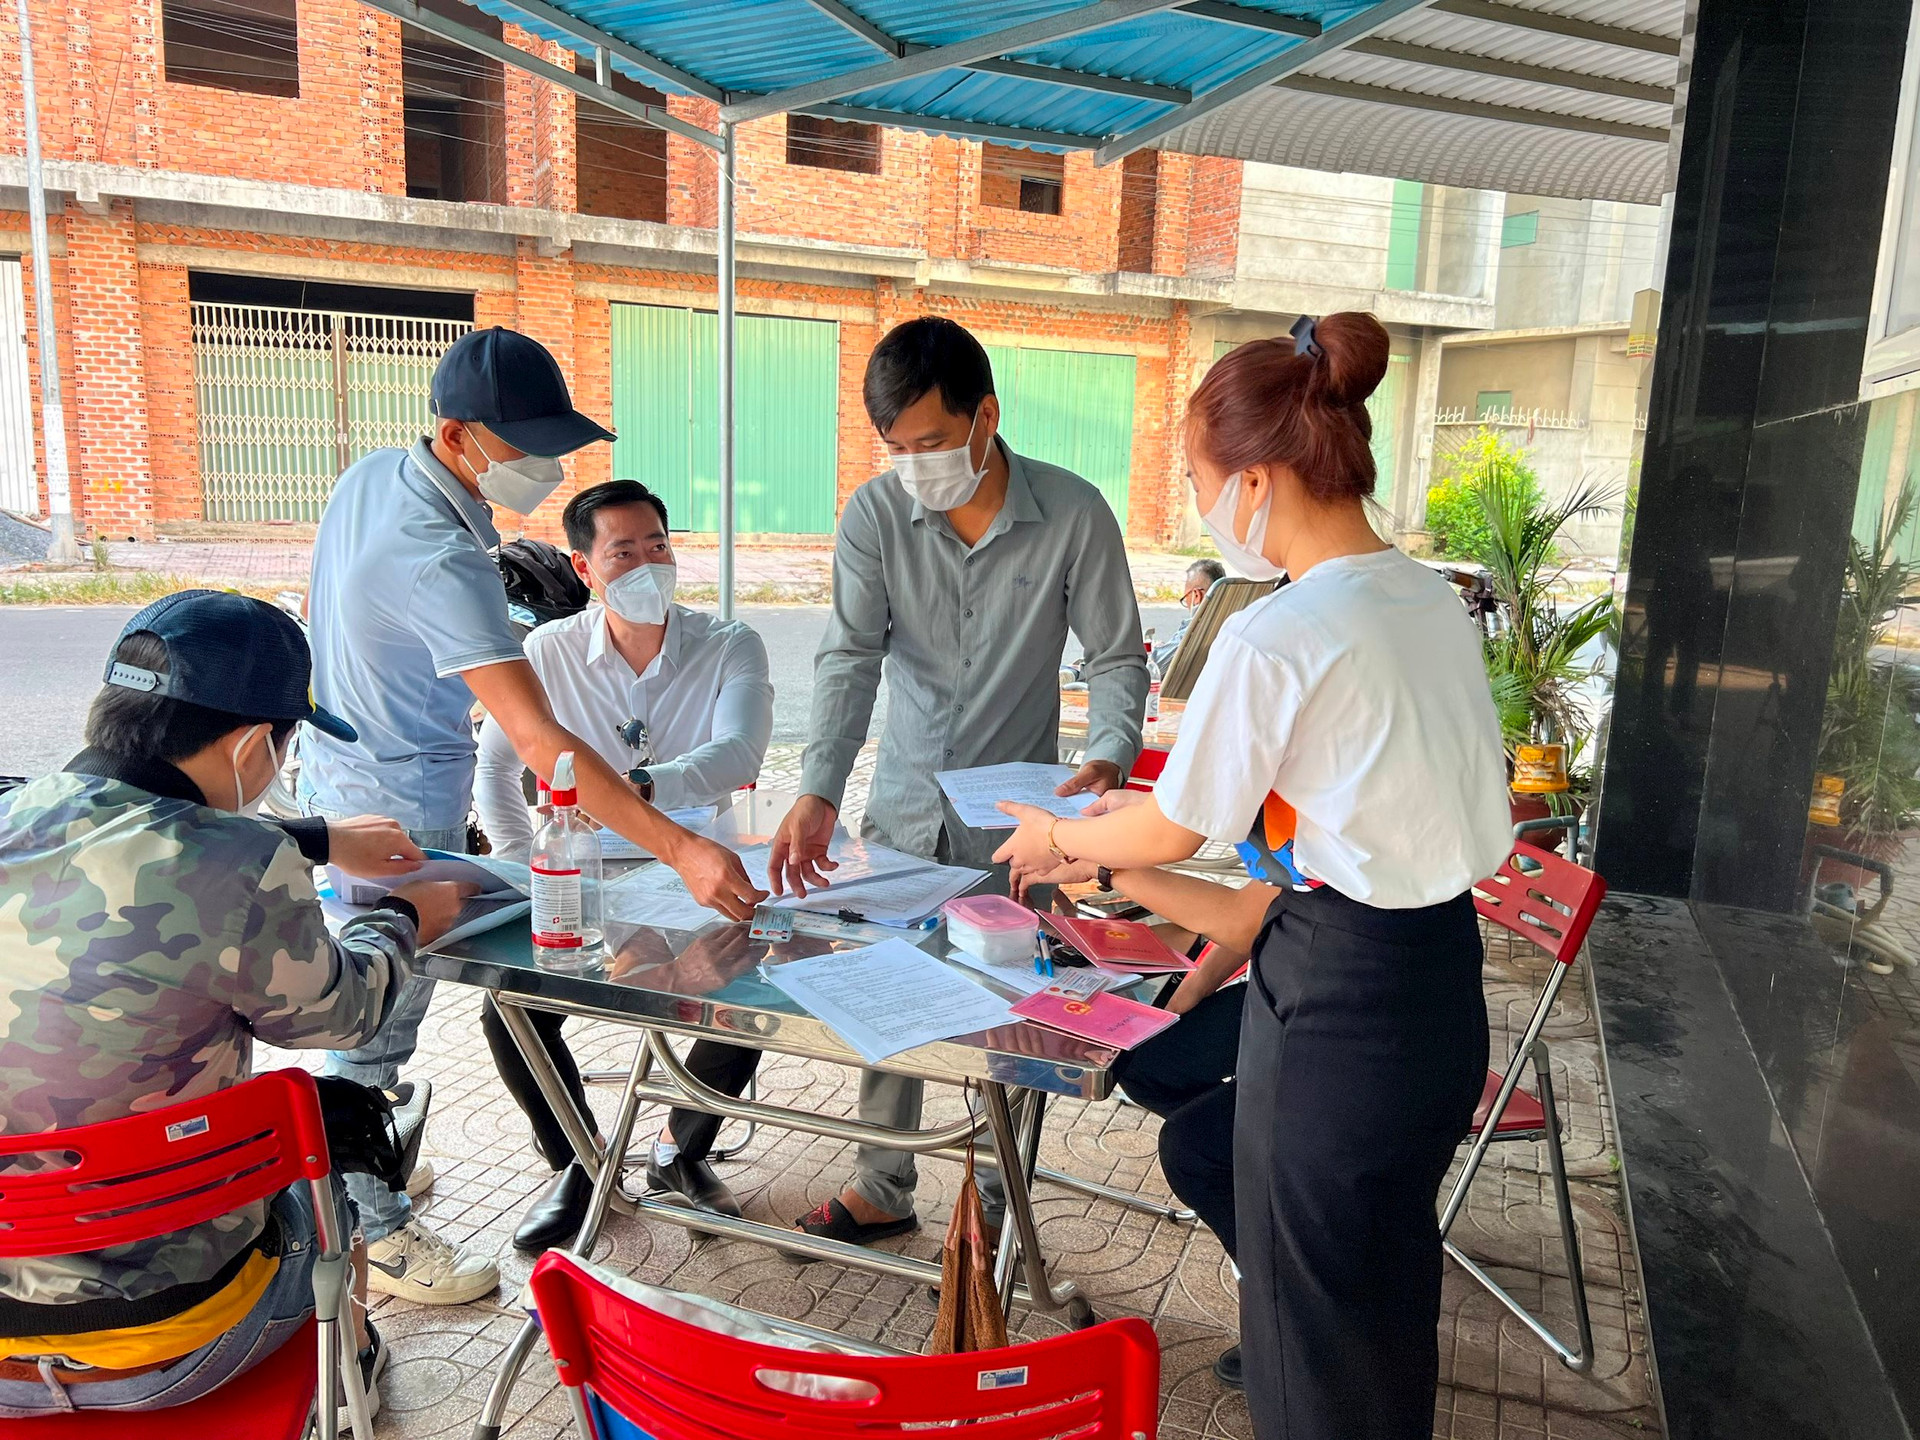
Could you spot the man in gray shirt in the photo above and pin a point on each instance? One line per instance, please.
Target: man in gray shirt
(961, 570)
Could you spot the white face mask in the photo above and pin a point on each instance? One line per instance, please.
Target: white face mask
(517, 485)
(642, 595)
(246, 806)
(1247, 555)
(942, 479)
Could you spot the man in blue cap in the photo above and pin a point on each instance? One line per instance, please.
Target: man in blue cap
(410, 627)
(153, 932)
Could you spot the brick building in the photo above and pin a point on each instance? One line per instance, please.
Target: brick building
(268, 215)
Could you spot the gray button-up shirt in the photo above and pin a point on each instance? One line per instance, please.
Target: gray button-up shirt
(971, 640)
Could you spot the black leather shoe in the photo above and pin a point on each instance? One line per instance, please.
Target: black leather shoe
(556, 1216)
(1227, 1370)
(694, 1182)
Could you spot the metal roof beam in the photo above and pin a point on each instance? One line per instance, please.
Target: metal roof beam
(1272, 23)
(484, 44)
(1354, 27)
(959, 54)
(1477, 109)
(1565, 25)
(599, 39)
(969, 129)
(1512, 70)
(1018, 69)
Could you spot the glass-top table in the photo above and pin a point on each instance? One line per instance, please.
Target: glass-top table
(706, 984)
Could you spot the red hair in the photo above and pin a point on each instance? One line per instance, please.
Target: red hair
(1263, 403)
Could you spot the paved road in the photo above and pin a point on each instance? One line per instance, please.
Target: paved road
(51, 659)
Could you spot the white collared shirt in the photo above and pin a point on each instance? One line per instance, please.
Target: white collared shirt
(706, 700)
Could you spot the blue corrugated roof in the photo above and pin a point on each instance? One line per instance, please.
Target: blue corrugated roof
(756, 47)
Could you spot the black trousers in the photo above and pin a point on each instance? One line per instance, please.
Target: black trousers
(1362, 1056)
(1185, 1076)
(726, 1068)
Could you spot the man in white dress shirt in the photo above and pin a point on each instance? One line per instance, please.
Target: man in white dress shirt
(682, 705)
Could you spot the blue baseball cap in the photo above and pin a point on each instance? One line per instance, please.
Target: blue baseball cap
(230, 653)
(511, 383)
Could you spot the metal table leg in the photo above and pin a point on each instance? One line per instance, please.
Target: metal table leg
(1042, 1291)
(1125, 1198)
(604, 1165)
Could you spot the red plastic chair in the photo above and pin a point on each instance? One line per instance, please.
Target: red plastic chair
(675, 1381)
(168, 1169)
(1551, 902)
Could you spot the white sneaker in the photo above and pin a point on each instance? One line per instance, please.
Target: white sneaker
(421, 1180)
(416, 1264)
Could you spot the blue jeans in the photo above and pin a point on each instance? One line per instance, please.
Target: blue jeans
(377, 1063)
(283, 1307)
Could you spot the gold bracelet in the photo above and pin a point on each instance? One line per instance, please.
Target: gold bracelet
(1053, 846)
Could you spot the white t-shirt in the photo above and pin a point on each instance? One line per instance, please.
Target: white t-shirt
(1358, 695)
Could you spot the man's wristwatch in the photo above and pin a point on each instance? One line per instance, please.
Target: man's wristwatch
(1103, 877)
(642, 779)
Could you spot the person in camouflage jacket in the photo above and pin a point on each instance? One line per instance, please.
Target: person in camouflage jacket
(151, 930)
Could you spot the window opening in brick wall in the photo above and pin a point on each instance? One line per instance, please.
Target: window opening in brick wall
(246, 45)
(217, 285)
(455, 104)
(1139, 203)
(621, 162)
(1030, 180)
(833, 144)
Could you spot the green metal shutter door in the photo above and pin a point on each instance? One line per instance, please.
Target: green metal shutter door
(786, 417)
(653, 404)
(1383, 409)
(1071, 409)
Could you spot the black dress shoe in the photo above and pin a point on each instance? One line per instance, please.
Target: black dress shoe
(694, 1182)
(1227, 1369)
(555, 1218)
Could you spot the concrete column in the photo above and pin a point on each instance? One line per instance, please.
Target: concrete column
(1410, 504)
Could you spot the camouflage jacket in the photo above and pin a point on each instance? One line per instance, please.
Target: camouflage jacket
(145, 940)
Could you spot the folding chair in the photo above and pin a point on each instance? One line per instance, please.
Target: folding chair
(1551, 902)
(1224, 598)
(630, 1370)
(168, 1169)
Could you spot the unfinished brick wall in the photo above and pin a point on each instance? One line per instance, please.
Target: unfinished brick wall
(121, 281)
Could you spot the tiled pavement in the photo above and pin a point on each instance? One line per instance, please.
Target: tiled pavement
(1497, 1382)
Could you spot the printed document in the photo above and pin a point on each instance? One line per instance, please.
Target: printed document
(976, 793)
(503, 886)
(615, 846)
(889, 997)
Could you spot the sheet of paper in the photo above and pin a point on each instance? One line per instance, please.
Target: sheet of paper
(976, 793)
(889, 997)
(505, 885)
(697, 818)
(854, 861)
(655, 895)
(903, 898)
(1018, 977)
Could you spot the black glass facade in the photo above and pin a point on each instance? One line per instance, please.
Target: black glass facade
(1763, 1030)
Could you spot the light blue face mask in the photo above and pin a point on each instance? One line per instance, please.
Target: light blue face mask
(942, 479)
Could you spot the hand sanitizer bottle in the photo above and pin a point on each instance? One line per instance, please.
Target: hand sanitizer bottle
(568, 933)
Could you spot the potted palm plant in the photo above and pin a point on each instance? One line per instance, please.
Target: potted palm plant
(1546, 648)
(1869, 755)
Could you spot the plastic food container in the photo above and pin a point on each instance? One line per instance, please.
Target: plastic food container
(992, 927)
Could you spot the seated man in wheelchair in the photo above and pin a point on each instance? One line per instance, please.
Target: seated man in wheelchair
(151, 930)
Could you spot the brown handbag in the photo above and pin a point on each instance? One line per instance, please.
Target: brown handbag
(970, 1316)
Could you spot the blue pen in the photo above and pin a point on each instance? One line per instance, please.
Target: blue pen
(1043, 962)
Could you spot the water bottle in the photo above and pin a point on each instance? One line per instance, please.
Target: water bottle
(568, 933)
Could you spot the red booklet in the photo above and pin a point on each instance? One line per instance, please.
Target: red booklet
(1104, 1019)
(1124, 946)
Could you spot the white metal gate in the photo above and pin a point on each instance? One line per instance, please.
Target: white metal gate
(19, 491)
(289, 398)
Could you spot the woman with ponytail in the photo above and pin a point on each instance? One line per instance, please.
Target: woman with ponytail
(1343, 730)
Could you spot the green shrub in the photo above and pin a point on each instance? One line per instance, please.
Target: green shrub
(1456, 516)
